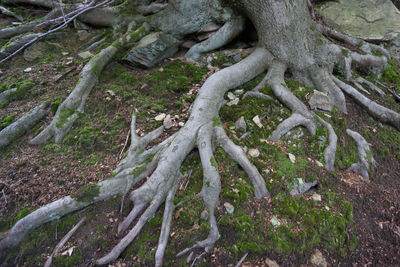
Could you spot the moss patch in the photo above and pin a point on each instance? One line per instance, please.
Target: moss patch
(87, 193)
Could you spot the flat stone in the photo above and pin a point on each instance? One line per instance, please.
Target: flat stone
(168, 122)
(318, 260)
(320, 100)
(35, 51)
(204, 215)
(319, 164)
(271, 263)
(233, 102)
(254, 153)
(367, 19)
(238, 92)
(257, 121)
(231, 96)
(160, 117)
(152, 49)
(240, 124)
(83, 35)
(229, 208)
(316, 197)
(275, 222)
(85, 55)
(292, 158)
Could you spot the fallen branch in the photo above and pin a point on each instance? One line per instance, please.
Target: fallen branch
(241, 260)
(63, 241)
(395, 95)
(9, 13)
(41, 36)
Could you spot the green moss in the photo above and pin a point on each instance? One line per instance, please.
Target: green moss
(72, 260)
(54, 105)
(175, 77)
(22, 88)
(64, 115)
(390, 76)
(7, 223)
(6, 121)
(345, 52)
(138, 170)
(214, 163)
(216, 121)
(87, 193)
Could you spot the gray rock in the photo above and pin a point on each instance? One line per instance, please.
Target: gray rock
(237, 57)
(367, 19)
(35, 51)
(320, 100)
(204, 215)
(229, 207)
(168, 122)
(300, 187)
(79, 25)
(318, 260)
(152, 49)
(240, 124)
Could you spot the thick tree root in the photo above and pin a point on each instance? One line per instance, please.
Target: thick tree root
(68, 111)
(18, 128)
(366, 160)
(237, 154)
(330, 150)
(379, 112)
(361, 80)
(355, 42)
(199, 132)
(223, 36)
(290, 123)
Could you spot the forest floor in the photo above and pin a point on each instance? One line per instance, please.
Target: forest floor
(357, 221)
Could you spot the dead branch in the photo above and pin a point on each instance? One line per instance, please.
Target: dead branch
(63, 241)
(41, 36)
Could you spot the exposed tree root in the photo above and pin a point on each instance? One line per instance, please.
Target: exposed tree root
(379, 112)
(330, 150)
(290, 123)
(69, 110)
(25, 123)
(199, 132)
(159, 166)
(355, 42)
(366, 160)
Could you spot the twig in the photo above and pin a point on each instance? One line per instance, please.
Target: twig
(4, 196)
(63, 241)
(396, 96)
(312, 11)
(62, 9)
(125, 144)
(40, 36)
(188, 179)
(122, 203)
(198, 258)
(241, 260)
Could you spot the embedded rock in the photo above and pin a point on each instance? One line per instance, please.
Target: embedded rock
(152, 49)
(367, 19)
